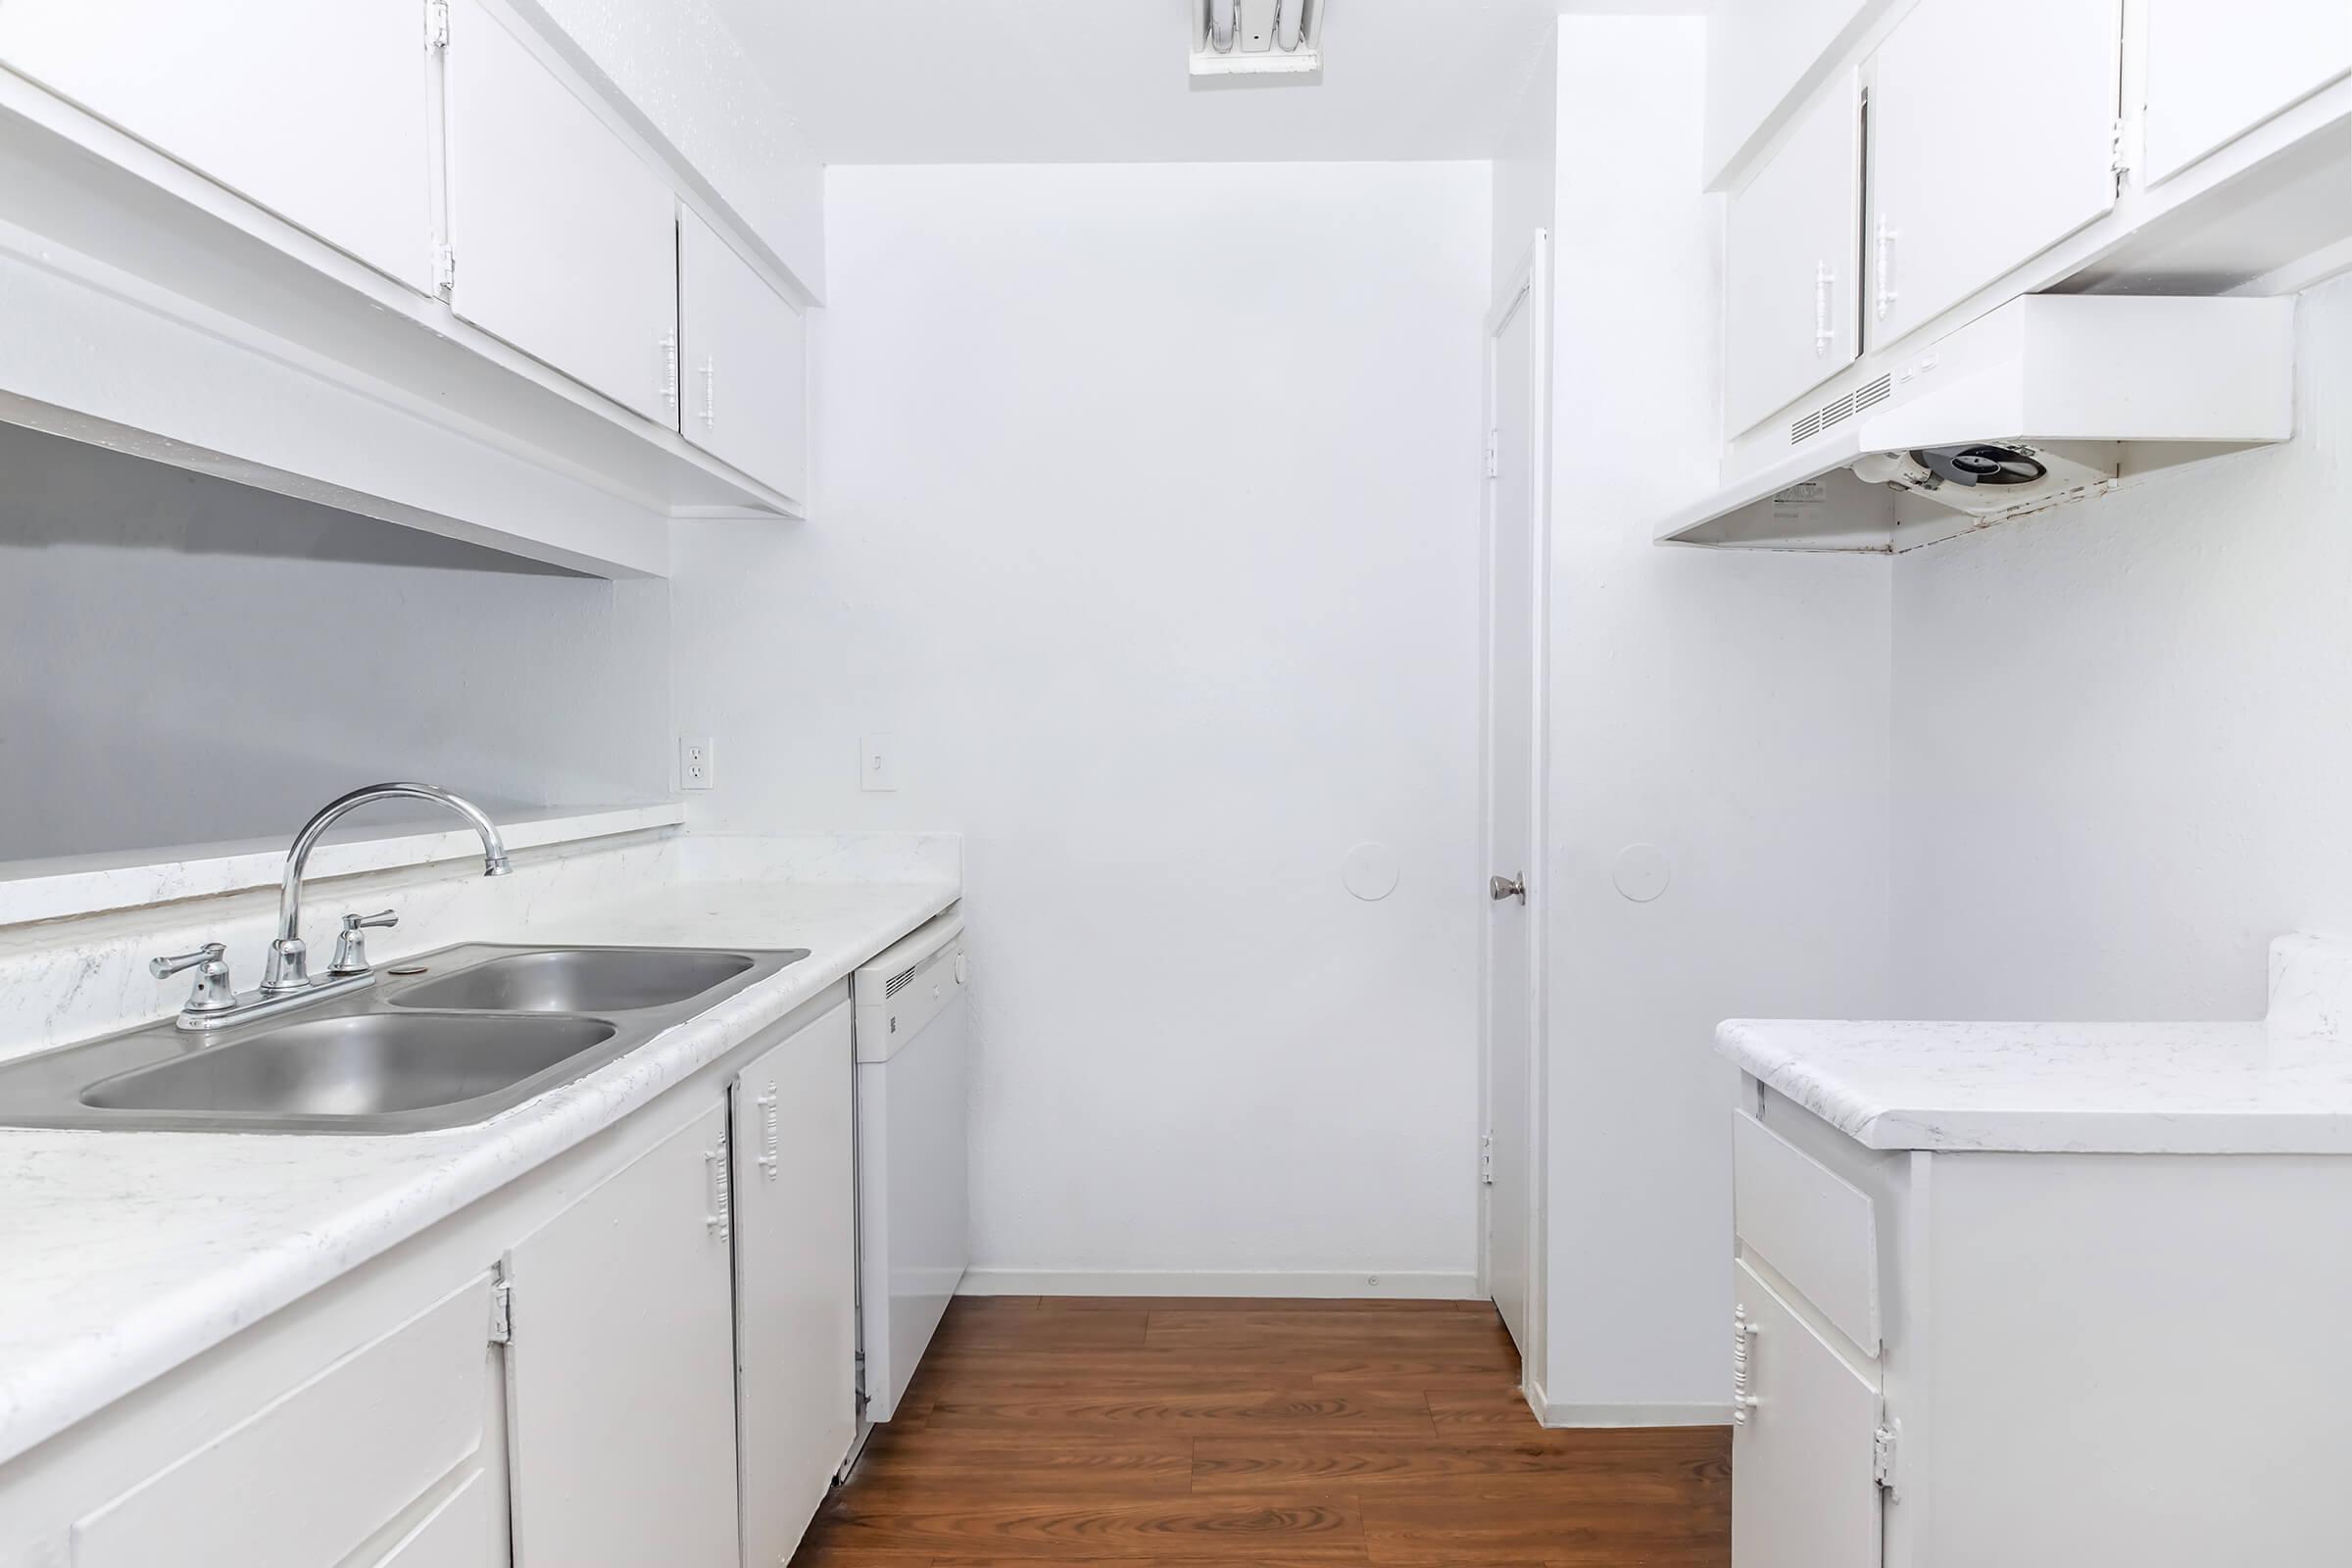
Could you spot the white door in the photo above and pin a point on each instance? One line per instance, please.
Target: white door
(566, 242)
(621, 1376)
(2217, 71)
(1992, 138)
(747, 363)
(1804, 1492)
(316, 112)
(1793, 262)
(1516, 361)
(796, 1283)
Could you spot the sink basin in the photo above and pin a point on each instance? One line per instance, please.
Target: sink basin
(370, 1064)
(578, 980)
(480, 1030)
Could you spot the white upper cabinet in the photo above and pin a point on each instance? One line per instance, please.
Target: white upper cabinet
(1795, 253)
(316, 112)
(1760, 56)
(566, 242)
(2215, 71)
(1992, 138)
(746, 362)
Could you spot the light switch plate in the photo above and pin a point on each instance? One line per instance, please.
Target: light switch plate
(878, 761)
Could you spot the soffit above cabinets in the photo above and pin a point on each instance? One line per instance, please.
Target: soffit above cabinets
(245, 319)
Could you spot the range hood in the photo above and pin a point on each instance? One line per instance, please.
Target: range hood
(2048, 398)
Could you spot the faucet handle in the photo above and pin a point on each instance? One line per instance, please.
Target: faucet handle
(213, 992)
(351, 943)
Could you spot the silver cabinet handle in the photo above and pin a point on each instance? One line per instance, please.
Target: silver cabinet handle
(1824, 335)
(1742, 1400)
(722, 1219)
(1499, 888)
(709, 392)
(770, 1160)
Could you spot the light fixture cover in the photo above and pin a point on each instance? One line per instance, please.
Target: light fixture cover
(1257, 37)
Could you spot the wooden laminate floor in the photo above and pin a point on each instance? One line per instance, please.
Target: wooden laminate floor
(1187, 1433)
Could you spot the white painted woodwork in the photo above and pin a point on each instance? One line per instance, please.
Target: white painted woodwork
(1992, 138)
(1793, 262)
(1761, 56)
(467, 1529)
(318, 113)
(566, 240)
(1815, 1228)
(795, 1282)
(620, 1378)
(1802, 1491)
(746, 362)
(322, 1469)
(2215, 70)
(1512, 675)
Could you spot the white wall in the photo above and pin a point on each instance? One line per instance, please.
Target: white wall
(1147, 520)
(1729, 707)
(2122, 732)
(195, 661)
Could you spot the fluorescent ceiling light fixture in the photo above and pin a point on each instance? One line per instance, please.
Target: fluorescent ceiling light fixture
(1257, 37)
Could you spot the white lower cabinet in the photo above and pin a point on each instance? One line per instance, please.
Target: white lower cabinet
(391, 1429)
(1802, 1492)
(641, 1354)
(621, 1376)
(796, 1292)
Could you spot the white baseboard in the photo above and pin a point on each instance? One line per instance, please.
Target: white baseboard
(1626, 1415)
(1271, 1284)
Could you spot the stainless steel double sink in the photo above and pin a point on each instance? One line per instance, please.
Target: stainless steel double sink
(445, 1040)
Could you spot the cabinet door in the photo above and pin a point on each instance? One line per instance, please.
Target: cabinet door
(747, 357)
(1793, 262)
(316, 112)
(2217, 71)
(1804, 1493)
(566, 241)
(620, 1375)
(1992, 137)
(796, 1283)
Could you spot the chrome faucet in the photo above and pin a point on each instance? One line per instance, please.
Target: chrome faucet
(289, 966)
(286, 979)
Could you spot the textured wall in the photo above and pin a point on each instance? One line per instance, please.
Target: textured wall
(192, 661)
(2124, 732)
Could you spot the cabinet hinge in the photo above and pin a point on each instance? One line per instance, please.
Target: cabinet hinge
(1882, 1454)
(1493, 454)
(2119, 159)
(445, 268)
(1485, 1160)
(436, 24)
(501, 1313)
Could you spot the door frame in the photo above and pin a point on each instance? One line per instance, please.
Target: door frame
(1529, 289)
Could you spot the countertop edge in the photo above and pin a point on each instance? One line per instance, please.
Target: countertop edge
(45, 1399)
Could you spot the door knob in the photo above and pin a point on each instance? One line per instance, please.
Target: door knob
(1499, 888)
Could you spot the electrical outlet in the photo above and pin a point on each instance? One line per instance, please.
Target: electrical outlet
(698, 765)
(877, 762)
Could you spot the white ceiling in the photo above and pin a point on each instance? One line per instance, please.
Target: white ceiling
(929, 81)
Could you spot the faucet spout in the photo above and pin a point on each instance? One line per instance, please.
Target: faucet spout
(288, 968)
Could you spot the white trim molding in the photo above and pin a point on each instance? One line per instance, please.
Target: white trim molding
(1268, 1284)
(1626, 1415)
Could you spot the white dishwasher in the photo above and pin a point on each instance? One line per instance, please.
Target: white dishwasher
(914, 1220)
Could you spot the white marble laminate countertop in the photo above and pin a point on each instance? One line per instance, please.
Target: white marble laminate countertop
(124, 1254)
(2078, 1088)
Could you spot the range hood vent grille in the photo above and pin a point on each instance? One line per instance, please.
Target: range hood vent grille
(1837, 410)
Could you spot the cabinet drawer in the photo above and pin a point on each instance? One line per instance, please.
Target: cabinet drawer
(309, 1477)
(1818, 1230)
